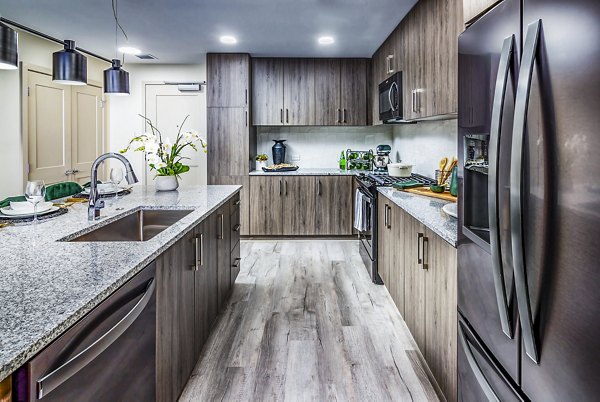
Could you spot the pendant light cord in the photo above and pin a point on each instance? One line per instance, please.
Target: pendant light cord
(115, 8)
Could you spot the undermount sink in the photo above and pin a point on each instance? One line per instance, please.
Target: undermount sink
(141, 225)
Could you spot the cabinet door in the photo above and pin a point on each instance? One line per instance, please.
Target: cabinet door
(244, 205)
(299, 92)
(416, 48)
(266, 205)
(440, 315)
(267, 92)
(384, 242)
(327, 92)
(299, 205)
(175, 316)
(236, 262)
(353, 95)
(397, 218)
(334, 205)
(223, 254)
(228, 144)
(414, 276)
(228, 76)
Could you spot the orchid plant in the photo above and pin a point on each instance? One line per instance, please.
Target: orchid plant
(163, 155)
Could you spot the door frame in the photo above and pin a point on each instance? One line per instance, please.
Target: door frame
(24, 70)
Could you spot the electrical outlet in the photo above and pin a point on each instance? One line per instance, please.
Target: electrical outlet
(296, 157)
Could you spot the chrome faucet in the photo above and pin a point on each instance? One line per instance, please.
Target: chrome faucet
(95, 204)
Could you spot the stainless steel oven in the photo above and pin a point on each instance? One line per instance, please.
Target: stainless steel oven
(368, 241)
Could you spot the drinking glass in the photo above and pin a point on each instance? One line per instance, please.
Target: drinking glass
(116, 177)
(35, 191)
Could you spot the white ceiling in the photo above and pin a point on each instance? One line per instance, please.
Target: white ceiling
(181, 31)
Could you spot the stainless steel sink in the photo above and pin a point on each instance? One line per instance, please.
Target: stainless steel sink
(141, 225)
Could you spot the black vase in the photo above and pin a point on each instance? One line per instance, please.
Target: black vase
(279, 152)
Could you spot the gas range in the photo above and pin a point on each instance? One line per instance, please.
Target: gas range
(371, 181)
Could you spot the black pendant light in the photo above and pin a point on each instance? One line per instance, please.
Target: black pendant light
(9, 55)
(116, 80)
(69, 67)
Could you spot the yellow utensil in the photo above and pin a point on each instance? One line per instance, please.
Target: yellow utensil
(443, 163)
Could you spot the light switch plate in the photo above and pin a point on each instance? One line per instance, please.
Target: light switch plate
(296, 157)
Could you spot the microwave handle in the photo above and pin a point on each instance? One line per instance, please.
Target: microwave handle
(394, 85)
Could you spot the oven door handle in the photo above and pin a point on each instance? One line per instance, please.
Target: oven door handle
(53, 380)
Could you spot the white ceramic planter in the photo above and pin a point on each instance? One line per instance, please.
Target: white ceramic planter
(166, 183)
(260, 165)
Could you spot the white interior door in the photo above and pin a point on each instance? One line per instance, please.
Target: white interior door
(166, 106)
(87, 130)
(49, 128)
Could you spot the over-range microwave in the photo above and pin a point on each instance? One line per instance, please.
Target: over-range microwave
(390, 99)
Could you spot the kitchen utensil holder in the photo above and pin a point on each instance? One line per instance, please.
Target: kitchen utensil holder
(359, 160)
(447, 174)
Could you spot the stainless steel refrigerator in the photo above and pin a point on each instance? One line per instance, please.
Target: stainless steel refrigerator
(529, 210)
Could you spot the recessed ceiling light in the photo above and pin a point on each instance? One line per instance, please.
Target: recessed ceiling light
(326, 40)
(130, 50)
(229, 40)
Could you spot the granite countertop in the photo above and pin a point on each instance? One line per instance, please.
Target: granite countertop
(47, 285)
(310, 172)
(426, 210)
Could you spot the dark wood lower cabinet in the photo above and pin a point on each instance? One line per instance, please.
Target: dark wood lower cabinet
(419, 270)
(194, 280)
(301, 205)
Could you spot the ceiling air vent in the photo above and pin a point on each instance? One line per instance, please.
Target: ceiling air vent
(146, 56)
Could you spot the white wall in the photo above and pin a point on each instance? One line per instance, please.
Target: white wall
(424, 144)
(320, 147)
(124, 110)
(37, 52)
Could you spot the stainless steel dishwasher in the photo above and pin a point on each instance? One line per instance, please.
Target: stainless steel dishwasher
(109, 355)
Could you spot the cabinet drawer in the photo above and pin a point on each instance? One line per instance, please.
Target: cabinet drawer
(235, 228)
(236, 262)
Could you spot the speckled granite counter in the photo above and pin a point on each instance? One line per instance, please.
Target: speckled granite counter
(310, 172)
(426, 210)
(47, 285)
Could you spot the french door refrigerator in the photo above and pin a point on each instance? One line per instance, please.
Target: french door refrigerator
(529, 213)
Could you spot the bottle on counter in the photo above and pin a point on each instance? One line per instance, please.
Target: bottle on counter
(342, 161)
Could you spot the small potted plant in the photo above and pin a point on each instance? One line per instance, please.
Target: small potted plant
(261, 161)
(164, 156)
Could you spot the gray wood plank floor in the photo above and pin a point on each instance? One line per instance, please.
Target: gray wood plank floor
(305, 323)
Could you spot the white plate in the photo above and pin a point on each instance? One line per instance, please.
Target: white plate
(105, 189)
(25, 207)
(451, 209)
(9, 213)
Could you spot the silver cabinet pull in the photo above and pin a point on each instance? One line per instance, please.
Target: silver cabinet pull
(280, 187)
(339, 116)
(246, 96)
(246, 118)
(425, 253)
(385, 215)
(389, 58)
(504, 67)
(318, 187)
(419, 238)
(54, 379)
(479, 376)
(281, 115)
(389, 217)
(516, 187)
(413, 101)
(237, 202)
(201, 249)
(220, 235)
(287, 115)
(237, 227)
(285, 182)
(236, 262)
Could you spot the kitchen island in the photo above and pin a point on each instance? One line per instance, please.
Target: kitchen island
(48, 284)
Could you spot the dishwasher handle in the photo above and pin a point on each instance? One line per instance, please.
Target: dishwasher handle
(54, 379)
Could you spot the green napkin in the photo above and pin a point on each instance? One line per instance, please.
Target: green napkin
(53, 192)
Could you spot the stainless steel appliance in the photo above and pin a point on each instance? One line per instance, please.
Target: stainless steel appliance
(367, 184)
(390, 99)
(382, 158)
(529, 210)
(109, 355)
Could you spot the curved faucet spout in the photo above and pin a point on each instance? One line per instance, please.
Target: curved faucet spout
(94, 204)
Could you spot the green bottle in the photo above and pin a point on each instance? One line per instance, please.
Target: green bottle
(342, 161)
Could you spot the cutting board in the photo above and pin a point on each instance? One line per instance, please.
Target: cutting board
(428, 193)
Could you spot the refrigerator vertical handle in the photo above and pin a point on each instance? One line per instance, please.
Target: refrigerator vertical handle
(493, 152)
(516, 184)
(479, 376)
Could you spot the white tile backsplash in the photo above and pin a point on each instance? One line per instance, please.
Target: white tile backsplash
(424, 144)
(320, 147)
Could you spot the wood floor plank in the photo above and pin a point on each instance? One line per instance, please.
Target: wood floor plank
(305, 323)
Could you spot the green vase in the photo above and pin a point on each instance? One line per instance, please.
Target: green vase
(454, 182)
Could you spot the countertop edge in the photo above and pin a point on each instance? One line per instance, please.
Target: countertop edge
(39, 344)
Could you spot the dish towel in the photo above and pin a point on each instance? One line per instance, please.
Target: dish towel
(360, 212)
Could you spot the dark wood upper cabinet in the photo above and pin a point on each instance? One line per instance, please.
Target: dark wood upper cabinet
(353, 91)
(228, 77)
(267, 92)
(228, 145)
(299, 92)
(327, 92)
